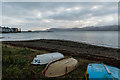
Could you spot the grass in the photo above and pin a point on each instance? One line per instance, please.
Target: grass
(16, 64)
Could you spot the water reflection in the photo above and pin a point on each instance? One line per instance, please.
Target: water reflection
(100, 38)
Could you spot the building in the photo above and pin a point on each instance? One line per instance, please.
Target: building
(9, 30)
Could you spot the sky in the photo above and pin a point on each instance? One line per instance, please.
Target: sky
(45, 15)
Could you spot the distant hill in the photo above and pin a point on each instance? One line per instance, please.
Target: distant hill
(90, 28)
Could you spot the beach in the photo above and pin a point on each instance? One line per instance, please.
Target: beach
(86, 31)
(16, 64)
(109, 56)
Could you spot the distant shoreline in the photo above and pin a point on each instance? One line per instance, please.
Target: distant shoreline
(82, 50)
(58, 31)
(53, 31)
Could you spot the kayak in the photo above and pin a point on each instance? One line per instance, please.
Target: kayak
(60, 67)
(102, 71)
(46, 58)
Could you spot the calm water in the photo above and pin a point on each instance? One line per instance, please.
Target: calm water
(100, 38)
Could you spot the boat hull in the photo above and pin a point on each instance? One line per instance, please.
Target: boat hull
(60, 67)
(46, 58)
(102, 71)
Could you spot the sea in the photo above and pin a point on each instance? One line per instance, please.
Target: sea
(99, 38)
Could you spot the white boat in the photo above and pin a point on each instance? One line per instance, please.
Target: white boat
(46, 58)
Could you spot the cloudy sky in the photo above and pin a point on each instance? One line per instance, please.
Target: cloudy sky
(44, 15)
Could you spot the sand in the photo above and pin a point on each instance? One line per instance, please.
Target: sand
(106, 55)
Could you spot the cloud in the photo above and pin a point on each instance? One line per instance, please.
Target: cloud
(43, 15)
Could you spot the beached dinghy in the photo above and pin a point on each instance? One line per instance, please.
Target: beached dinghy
(102, 71)
(60, 67)
(46, 58)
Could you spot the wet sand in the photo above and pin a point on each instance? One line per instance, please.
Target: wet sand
(106, 55)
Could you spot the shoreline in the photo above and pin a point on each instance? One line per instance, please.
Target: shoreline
(116, 48)
(71, 48)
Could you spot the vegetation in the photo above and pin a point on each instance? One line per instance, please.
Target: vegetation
(17, 64)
